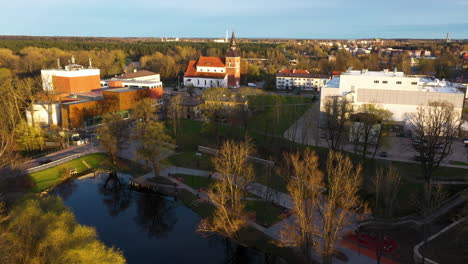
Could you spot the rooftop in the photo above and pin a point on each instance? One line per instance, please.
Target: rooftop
(365, 72)
(192, 72)
(211, 62)
(299, 73)
(137, 74)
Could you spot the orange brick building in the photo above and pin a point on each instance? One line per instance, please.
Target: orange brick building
(83, 101)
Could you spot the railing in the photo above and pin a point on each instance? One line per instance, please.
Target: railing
(250, 158)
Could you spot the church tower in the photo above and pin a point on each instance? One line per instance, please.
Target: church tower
(233, 64)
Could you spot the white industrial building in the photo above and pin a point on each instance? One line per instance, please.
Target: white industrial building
(44, 114)
(392, 90)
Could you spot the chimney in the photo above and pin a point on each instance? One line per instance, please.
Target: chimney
(90, 63)
(394, 70)
(73, 59)
(58, 64)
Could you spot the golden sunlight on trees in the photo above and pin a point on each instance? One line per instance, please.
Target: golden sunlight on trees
(151, 137)
(44, 231)
(305, 185)
(235, 174)
(113, 134)
(341, 203)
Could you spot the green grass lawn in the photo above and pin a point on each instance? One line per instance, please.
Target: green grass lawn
(266, 213)
(454, 162)
(50, 177)
(189, 159)
(195, 182)
(275, 113)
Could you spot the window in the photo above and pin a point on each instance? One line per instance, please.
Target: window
(376, 81)
(384, 82)
(398, 82)
(414, 83)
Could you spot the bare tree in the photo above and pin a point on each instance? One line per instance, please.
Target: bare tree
(340, 204)
(175, 112)
(337, 111)
(434, 128)
(366, 128)
(386, 187)
(305, 186)
(235, 174)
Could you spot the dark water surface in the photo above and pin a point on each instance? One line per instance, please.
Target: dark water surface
(148, 228)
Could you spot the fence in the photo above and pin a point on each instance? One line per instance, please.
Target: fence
(60, 161)
(250, 158)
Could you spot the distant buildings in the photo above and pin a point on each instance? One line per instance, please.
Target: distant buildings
(75, 97)
(392, 90)
(215, 71)
(302, 79)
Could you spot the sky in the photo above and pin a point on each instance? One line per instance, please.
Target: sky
(304, 19)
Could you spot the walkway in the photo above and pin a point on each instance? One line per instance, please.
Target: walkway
(276, 197)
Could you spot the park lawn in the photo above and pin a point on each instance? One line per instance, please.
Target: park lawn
(266, 213)
(276, 113)
(50, 177)
(454, 162)
(203, 209)
(195, 182)
(189, 159)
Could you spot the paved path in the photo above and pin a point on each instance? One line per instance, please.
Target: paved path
(305, 131)
(276, 197)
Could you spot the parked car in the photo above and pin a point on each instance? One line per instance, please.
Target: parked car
(383, 154)
(465, 140)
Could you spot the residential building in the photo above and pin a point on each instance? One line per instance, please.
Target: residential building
(392, 90)
(215, 71)
(289, 79)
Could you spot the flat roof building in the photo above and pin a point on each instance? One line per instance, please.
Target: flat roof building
(392, 90)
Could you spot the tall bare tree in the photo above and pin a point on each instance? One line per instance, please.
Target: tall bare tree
(366, 127)
(340, 204)
(337, 111)
(175, 109)
(434, 128)
(235, 174)
(305, 185)
(386, 187)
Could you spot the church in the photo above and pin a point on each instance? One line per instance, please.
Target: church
(209, 72)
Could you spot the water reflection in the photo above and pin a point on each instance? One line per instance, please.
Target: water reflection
(155, 215)
(149, 228)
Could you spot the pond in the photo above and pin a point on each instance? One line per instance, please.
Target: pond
(147, 227)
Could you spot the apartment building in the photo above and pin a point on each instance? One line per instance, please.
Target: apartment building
(288, 79)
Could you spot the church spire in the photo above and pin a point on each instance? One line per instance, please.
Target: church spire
(232, 46)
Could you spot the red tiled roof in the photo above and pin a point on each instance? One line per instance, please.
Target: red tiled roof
(192, 71)
(211, 62)
(294, 71)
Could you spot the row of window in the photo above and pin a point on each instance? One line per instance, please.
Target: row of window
(208, 70)
(397, 82)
